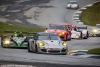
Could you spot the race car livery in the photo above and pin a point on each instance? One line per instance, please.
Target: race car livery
(72, 5)
(75, 33)
(85, 33)
(96, 30)
(61, 30)
(47, 43)
(14, 41)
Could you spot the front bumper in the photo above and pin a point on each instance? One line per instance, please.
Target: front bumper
(53, 50)
(73, 36)
(14, 45)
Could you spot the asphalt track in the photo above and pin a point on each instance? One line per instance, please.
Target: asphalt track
(56, 12)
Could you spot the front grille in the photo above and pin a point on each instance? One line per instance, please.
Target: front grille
(63, 50)
(54, 51)
(43, 50)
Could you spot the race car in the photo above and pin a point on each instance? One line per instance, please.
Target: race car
(47, 43)
(72, 5)
(14, 41)
(61, 30)
(96, 30)
(85, 33)
(75, 33)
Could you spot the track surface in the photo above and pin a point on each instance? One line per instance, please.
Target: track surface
(51, 11)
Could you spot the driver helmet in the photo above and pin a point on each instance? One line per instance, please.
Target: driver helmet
(20, 32)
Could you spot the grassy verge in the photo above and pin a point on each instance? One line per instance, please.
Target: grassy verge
(94, 51)
(5, 26)
(91, 16)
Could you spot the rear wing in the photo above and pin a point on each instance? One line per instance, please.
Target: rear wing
(8, 31)
(25, 33)
(82, 27)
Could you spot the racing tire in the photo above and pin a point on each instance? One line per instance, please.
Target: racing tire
(81, 35)
(86, 35)
(2, 45)
(64, 53)
(28, 47)
(36, 49)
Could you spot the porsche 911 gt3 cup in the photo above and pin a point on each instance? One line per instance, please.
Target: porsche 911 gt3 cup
(47, 43)
(96, 30)
(72, 5)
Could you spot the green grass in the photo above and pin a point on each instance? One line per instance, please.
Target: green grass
(91, 16)
(94, 51)
(5, 26)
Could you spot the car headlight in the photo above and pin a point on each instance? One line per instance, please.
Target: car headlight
(94, 30)
(61, 34)
(6, 42)
(41, 44)
(46, 31)
(77, 36)
(64, 44)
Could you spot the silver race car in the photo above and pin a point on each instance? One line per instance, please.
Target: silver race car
(72, 5)
(47, 43)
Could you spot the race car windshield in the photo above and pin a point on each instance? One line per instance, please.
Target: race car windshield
(81, 27)
(74, 29)
(57, 27)
(61, 28)
(72, 3)
(98, 26)
(44, 37)
(52, 27)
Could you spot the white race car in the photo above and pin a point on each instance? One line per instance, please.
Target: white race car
(85, 33)
(76, 34)
(72, 5)
(96, 30)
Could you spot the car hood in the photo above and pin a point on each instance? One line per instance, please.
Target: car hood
(52, 43)
(56, 31)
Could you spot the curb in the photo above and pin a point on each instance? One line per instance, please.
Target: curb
(75, 16)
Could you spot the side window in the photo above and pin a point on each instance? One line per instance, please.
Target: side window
(36, 37)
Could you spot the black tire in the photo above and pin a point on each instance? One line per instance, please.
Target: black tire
(81, 35)
(86, 35)
(64, 54)
(36, 49)
(28, 47)
(2, 44)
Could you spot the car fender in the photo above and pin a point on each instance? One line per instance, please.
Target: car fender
(30, 43)
(84, 32)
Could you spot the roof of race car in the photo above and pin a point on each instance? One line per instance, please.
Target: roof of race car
(72, 1)
(61, 24)
(44, 33)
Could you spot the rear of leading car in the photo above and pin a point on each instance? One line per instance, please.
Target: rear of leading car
(53, 47)
(72, 5)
